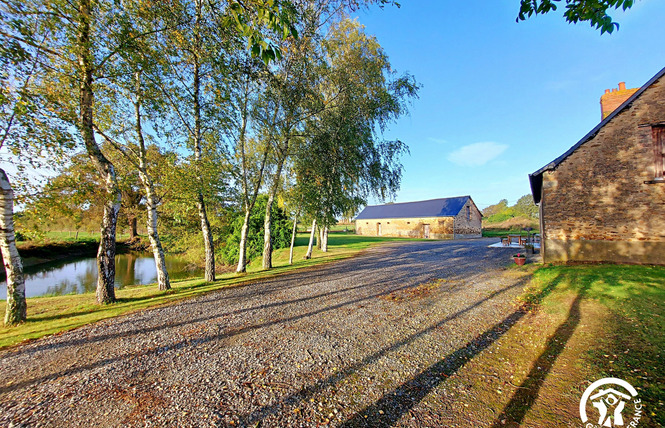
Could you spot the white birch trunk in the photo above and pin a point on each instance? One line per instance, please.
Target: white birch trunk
(293, 238)
(16, 310)
(267, 222)
(267, 233)
(207, 240)
(203, 215)
(157, 251)
(242, 252)
(310, 247)
(163, 281)
(324, 239)
(106, 254)
(319, 240)
(249, 200)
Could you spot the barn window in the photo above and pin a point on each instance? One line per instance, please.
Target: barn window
(659, 151)
(468, 213)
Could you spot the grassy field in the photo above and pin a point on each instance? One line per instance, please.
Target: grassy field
(495, 233)
(71, 236)
(50, 315)
(582, 323)
(344, 228)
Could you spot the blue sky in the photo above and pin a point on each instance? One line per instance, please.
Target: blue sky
(500, 99)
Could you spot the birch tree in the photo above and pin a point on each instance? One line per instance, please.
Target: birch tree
(24, 136)
(250, 156)
(16, 311)
(199, 55)
(137, 156)
(291, 99)
(84, 38)
(189, 59)
(345, 159)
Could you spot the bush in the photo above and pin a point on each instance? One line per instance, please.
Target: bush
(499, 217)
(29, 235)
(281, 232)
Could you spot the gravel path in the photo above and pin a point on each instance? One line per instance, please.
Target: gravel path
(368, 341)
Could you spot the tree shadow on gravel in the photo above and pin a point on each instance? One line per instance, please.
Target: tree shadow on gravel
(400, 278)
(303, 394)
(145, 330)
(394, 404)
(358, 267)
(195, 342)
(514, 412)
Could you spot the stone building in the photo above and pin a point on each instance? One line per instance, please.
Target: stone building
(604, 199)
(447, 218)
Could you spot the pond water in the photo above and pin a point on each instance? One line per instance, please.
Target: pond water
(80, 275)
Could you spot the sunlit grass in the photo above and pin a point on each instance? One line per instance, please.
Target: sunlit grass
(50, 315)
(630, 344)
(72, 236)
(495, 233)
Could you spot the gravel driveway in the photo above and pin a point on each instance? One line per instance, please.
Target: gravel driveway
(369, 341)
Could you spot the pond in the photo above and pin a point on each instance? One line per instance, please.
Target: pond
(80, 275)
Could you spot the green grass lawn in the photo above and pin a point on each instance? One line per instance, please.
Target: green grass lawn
(71, 236)
(630, 342)
(495, 233)
(50, 315)
(343, 228)
(583, 323)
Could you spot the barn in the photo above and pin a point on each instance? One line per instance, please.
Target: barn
(445, 218)
(604, 199)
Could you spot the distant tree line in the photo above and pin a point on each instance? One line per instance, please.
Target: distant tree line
(499, 212)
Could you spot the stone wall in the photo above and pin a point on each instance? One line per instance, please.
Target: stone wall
(440, 227)
(468, 225)
(596, 205)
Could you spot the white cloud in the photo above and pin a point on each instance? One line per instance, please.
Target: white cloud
(437, 140)
(476, 154)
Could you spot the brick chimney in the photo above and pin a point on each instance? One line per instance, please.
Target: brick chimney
(610, 100)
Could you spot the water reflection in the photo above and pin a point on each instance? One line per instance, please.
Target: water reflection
(80, 275)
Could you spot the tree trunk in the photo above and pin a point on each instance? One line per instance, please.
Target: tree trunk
(160, 262)
(308, 255)
(163, 281)
(267, 233)
(16, 310)
(320, 238)
(132, 228)
(249, 200)
(203, 215)
(242, 252)
(106, 252)
(293, 238)
(324, 239)
(207, 239)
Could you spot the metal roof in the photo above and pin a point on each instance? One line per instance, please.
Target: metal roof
(536, 178)
(444, 207)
